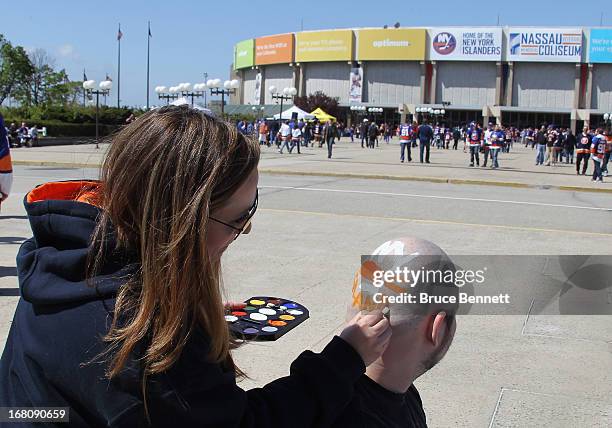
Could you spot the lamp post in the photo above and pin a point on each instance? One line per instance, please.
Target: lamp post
(257, 112)
(358, 110)
(375, 111)
(103, 89)
(205, 79)
(228, 88)
(165, 93)
(187, 90)
(287, 94)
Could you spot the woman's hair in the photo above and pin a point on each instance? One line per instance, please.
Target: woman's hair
(161, 178)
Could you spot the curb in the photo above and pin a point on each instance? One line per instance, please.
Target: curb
(363, 176)
(56, 164)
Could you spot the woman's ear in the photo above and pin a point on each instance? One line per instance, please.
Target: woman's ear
(438, 329)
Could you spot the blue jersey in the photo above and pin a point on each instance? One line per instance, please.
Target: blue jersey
(475, 136)
(405, 132)
(497, 139)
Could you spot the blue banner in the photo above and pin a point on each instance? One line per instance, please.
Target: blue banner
(600, 45)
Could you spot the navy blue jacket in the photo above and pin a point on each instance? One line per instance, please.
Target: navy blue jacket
(60, 319)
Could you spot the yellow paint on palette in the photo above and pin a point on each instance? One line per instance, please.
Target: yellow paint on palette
(287, 317)
(256, 302)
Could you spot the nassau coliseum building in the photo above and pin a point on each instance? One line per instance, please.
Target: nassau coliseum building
(521, 76)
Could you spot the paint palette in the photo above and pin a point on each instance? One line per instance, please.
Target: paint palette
(265, 318)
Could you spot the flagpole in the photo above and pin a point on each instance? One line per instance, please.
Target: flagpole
(84, 95)
(148, 54)
(119, 35)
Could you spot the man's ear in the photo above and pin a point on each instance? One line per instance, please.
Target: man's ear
(438, 329)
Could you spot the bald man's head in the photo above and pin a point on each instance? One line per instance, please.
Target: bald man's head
(420, 268)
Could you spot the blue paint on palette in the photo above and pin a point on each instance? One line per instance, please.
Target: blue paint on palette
(291, 305)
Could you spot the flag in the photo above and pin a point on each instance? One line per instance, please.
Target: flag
(84, 76)
(150, 35)
(119, 33)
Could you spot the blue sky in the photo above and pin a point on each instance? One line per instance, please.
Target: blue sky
(192, 37)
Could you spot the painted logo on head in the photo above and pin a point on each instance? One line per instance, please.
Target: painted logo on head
(444, 43)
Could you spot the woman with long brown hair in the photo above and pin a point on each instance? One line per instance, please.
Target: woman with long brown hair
(121, 316)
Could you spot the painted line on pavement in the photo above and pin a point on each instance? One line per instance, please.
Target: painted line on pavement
(439, 222)
(454, 198)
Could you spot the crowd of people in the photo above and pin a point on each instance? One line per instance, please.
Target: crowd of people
(553, 145)
(21, 136)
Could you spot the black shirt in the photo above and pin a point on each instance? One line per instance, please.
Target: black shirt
(376, 407)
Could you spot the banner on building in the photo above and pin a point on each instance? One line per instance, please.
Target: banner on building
(333, 45)
(392, 44)
(243, 54)
(544, 44)
(274, 49)
(356, 86)
(600, 45)
(465, 44)
(257, 94)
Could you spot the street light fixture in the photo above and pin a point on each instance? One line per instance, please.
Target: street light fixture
(257, 112)
(187, 90)
(228, 88)
(165, 93)
(103, 89)
(286, 95)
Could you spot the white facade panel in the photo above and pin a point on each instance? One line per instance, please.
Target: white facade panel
(466, 83)
(543, 85)
(280, 76)
(602, 87)
(249, 86)
(330, 77)
(390, 83)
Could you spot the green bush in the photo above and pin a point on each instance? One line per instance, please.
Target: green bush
(70, 114)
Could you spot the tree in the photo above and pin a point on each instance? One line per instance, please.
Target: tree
(318, 99)
(15, 68)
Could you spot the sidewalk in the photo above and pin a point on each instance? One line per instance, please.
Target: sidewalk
(517, 169)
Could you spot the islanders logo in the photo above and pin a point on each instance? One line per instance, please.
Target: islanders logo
(444, 43)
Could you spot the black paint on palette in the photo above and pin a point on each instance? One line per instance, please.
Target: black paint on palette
(265, 318)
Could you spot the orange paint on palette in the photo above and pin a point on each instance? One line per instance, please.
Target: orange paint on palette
(277, 323)
(239, 313)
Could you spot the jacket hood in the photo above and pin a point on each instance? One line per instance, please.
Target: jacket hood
(52, 265)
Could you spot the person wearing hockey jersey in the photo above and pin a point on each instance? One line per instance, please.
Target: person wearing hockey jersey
(6, 166)
(583, 150)
(475, 139)
(405, 132)
(598, 152)
(497, 144)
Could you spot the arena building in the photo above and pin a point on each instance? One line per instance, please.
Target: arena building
(520, 76)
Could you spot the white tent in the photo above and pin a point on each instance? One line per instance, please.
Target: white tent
(301, 114)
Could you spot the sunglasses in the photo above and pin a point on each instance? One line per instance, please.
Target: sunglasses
(249, 216)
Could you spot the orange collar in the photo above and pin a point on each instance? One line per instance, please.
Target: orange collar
(85, 191)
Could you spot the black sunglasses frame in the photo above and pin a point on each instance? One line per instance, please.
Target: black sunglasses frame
(239, 230)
